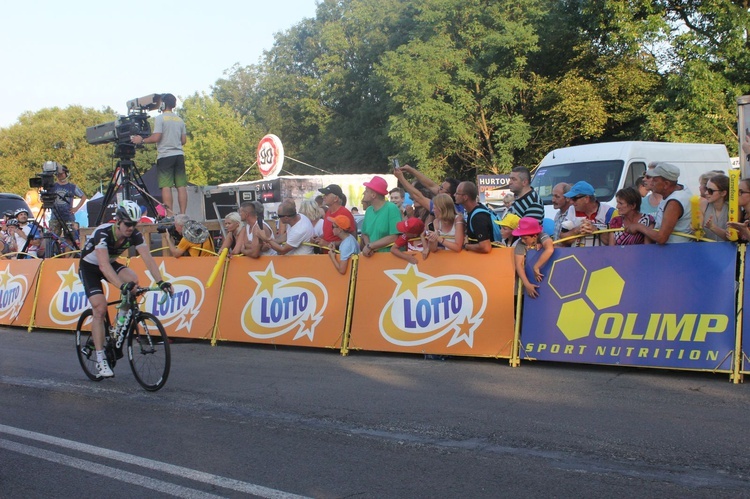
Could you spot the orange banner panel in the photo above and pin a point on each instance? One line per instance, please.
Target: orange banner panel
(284, 300)
(449, 304)
(17, 291)
(61, 299)
(191, 312)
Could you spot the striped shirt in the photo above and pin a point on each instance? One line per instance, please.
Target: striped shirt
(528, 205)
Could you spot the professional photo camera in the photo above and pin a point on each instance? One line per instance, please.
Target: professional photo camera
(120, 130)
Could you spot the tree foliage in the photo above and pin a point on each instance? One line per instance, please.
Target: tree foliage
(54, 134)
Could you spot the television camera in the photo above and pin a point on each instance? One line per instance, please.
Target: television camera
(120, 130)
(45, 182)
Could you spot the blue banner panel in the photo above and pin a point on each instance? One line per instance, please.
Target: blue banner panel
(654, 306)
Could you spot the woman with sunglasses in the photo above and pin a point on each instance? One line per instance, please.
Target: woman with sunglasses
(716, 213)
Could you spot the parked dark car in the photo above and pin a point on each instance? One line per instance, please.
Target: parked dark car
(12, 202)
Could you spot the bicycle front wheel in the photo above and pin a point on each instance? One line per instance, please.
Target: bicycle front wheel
(148, 351)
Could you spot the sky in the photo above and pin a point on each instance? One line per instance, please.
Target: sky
(105, 53)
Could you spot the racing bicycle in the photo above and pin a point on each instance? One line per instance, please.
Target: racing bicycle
(142, 335)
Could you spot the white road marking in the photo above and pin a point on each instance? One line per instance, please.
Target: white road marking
(107, 471)
(190, 474)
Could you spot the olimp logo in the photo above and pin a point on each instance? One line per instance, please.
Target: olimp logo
(280, 305)
(423, 308)
(70, 299)
(588, 299)
(13, 290)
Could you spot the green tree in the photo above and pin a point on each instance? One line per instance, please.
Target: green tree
(54, 134)
(458, 85)
(220, 147)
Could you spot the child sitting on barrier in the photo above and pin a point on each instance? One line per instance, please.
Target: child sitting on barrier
(410, 228)
(347, 248)
(532, 238)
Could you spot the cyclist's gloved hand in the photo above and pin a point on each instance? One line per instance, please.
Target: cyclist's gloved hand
(127, 287)
(166, 287)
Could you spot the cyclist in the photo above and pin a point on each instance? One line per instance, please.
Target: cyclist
(98, 261)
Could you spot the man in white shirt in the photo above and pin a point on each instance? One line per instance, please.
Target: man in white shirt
(299, 232)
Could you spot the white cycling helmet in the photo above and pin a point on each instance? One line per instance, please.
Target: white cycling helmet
(128, 211)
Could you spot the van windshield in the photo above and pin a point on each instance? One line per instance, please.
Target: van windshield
(603, 175)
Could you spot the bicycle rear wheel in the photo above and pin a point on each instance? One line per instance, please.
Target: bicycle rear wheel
(148, 351)
(85, 347)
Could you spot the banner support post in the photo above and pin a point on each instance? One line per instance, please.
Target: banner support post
(736, 376)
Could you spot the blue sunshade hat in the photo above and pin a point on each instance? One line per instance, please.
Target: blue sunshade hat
(581, 188)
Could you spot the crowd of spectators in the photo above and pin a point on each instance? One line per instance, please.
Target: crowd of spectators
(421, 217)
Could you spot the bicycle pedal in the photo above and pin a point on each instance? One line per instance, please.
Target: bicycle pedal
(118, 353)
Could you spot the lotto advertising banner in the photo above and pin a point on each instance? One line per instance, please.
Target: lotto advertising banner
(448, 304)
(654, 306)
(191, 311)
(61, 299)
(17, 288)
(284, 300)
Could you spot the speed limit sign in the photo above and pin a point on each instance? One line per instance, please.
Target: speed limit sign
(270, 155)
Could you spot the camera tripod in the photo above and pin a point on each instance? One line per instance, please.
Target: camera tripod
(53, 244)
(126, 177)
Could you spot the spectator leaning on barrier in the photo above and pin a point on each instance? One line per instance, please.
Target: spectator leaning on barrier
(410, 228)
(334, 199)
(716, 212)
(298, 232)
(527, 202)
(200, 239)
(479, 226)
(562, 204)
(348, 245)
(379, 227)
(674, 213)
(532, 238)
(628, 208)
(744, 205)
(251, 213)
(447, 229)
(233, 238)
(586, 215)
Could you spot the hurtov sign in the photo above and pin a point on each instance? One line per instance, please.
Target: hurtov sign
(270, 155)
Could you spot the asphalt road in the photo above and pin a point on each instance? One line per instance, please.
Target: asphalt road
(241, 420)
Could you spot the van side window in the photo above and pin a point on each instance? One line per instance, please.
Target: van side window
(636, 169)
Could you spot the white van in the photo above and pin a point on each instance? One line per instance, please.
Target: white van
(610, 166)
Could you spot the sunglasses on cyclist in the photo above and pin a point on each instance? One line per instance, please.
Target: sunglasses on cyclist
(130, 224)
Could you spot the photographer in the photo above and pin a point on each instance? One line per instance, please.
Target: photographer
(23, 232)
(169, 136)
(200, 240)
(64, 212)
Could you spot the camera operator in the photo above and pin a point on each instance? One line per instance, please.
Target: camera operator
(169, 136)
(65, 192)
(185, 246)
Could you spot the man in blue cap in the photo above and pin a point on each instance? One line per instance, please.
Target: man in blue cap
(587, 215)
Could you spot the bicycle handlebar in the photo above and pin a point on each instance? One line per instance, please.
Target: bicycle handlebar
(138, 291)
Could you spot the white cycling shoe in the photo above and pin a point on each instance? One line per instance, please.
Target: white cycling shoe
(104, 370)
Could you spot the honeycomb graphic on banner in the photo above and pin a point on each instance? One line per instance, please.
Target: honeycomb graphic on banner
(604, 288)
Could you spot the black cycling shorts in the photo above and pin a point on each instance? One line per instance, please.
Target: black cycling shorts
(91, 277)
